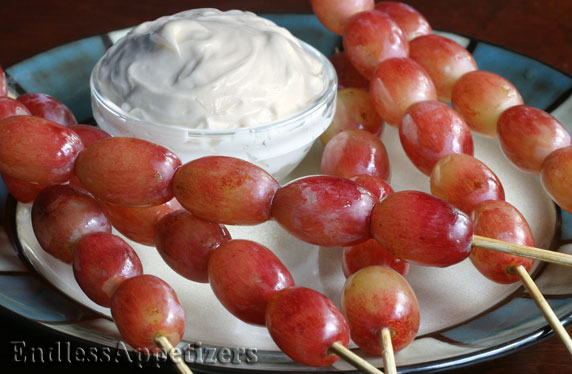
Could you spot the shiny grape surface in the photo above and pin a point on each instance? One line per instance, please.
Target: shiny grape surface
(244, 275)
(422, 229)
(61, 215)
(430, 130)
(127, 171)
(304, 324)
(144, 307)
(500, 220)
(48, 107)
(354, 111)
(465, 181)
(101, 261)
(355, 152)
(372, 37)
(225, 190)
(324, 210)
(185, 242)
(396, 84)
(378, 297)
(36, 150)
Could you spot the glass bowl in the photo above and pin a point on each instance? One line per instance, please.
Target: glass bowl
(277, 147)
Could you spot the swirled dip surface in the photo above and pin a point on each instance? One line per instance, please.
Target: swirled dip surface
(207, 69)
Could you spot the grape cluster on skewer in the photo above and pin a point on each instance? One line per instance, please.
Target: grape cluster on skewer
(329, 211)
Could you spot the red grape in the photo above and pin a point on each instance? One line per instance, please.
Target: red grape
(186, 242)
(225, 190)
(407, 18)
(430, 130)
(61, 215)
(354, 111)
(10, 107)
(370, 253)
(377, 186)
(422, 229)
(556, 177)
(464, 181)
(127, 171)
(145, 307)
(372, 37)
(244, 275)
(375, 298)
(36, 150)
(481, 97)
(324, 210)
(335, 14)
(138, 224)
(304, 324)
(3, 83)
(89, 134)
(102, 261)
(527, 135)
(45, 106)
(396, 84)
(355, 152)
(444, 60)
(24, 192)
(499, 220)
(347, 74)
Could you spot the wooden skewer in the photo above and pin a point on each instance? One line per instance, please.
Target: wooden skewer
(355, 360)
(166, 345)
(522, 250)
(544, 306)
(387, 352)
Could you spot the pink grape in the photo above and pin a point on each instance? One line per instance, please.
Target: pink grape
(145, 307)
(527, 135)
(127, 171)
(33, 149)
(10, 107)
(335, 14)
(377, 186)
(355, 152)
(354, 111)
(430, 130)
(101, 261)
(225, 190)
(185, 242)
(407, 18)
(464, 182)
(396, 84)
(61, 215)
(370, 253)
(50, 108)
(500, 220)
(138, 224)
(347, 74)
(377, 297)
(444, 60)
(556, 177)
(324, 210)
(372, 37)
(422, 229)
(244, 275)
(24, 192)
(481, 97)
(304, 324)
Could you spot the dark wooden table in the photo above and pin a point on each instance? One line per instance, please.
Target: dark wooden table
(541, 29)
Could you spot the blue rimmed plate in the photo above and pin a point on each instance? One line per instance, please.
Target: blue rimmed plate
(465, 318)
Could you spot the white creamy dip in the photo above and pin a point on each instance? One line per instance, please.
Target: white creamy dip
(207, 69)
